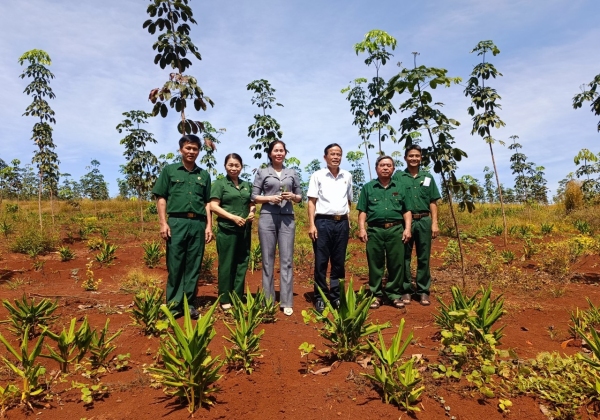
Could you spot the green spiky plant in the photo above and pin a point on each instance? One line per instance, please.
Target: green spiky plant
(347, 328)
(246, 344)
(71, 345)
(27, 367)
(189, 370)
(27, 314)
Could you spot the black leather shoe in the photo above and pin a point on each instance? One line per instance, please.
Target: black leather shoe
(194, 314)
(319, 306)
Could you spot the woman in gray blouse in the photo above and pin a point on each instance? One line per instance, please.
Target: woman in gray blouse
(276, 187)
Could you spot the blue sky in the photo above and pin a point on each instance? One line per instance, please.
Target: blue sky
(103, 63)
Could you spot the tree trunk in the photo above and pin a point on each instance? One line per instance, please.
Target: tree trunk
(40, 199)
(501, 199)
(460, 247)
(368, 160)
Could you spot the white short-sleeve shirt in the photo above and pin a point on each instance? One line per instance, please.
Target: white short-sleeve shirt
(332, 192)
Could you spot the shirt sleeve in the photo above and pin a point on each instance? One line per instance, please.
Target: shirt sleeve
(350, 195)
(313, 187)
(216, 190)
(257, 187)
(207, 188)
(161, 186)
(434, 193)
(362, 200)
(297, 187)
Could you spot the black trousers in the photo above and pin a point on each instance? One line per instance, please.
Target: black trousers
(330, 247)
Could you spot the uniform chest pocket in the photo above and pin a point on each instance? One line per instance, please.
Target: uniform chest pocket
(424, 192)
(199, 186)
(176, 184)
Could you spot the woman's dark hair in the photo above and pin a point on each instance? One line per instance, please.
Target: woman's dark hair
(329, 146)
(412, 147)
(189, 138)
(234, 156)
(272, 146)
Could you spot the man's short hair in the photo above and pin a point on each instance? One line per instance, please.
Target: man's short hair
(189, 138)
(329, 146)
(380, 158)
(412, 147)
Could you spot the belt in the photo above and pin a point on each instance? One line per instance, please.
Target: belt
(336, 217)
(386, 225)
(417, 216)
(188, 216)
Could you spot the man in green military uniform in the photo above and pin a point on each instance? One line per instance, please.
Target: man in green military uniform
(381, 206)
(183, 191)
(421, 197)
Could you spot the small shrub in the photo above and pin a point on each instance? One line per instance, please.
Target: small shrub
(33, 242)
(507, 256)
(146, 311)
(153, 252)
(66, 254)
(583, 227)
(107, 253)
(136, 281)
(26, 315)
(573, 198)
(6, 228)
(255, 257)
(547, 228)
(151, 208)
(90, 283)
(451, 254)
(11, 208)
(95, 244)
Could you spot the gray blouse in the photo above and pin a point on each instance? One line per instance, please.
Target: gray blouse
(266, 182)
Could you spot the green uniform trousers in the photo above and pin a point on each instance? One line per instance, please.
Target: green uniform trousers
(185, 250)
(385, 248)
(233, 247)
(421, 240)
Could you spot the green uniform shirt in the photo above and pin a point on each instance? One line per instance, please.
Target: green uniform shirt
(233, 200)
(382, 205)
(185, 191)
(418, 194)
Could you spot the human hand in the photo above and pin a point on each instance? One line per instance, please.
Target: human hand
(250, 217)
(362, 235)
(312, 233)
(165, 231)
(208, 235)
(275, 199)
(406, 235)
(240, 221)
(288, 195)
(435, 230)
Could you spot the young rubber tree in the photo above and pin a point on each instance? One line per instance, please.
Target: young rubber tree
(488, 185)
(358, 98)
(380, 108)
(589, 95)
(45, 158)
(522, 171)
(93, 184)
(358, 173)
(484, 102)
(141, 169)
(423, 114)
(265, 128)
(171, 18)
(587, 163)
(211, 139)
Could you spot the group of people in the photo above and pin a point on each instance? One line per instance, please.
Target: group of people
(397, 212)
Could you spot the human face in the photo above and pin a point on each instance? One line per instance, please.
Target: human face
(278, 154)
(333, 157)
(385, 169)
(413, 159)
(189, 153)
(233, 168)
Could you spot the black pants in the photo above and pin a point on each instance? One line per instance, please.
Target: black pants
(330, 246)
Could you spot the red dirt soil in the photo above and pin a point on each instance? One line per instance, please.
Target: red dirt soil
(279, 387)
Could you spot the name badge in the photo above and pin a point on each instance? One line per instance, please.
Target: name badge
(426, 182)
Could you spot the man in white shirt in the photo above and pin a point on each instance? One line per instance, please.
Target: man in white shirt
(329, 198)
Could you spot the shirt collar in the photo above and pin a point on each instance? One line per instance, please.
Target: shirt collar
(390, 184)
(193, 171)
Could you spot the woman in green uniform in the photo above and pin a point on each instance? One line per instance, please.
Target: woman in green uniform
(230, 200)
